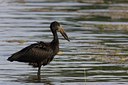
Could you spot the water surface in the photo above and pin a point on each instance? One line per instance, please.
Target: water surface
(96, 54)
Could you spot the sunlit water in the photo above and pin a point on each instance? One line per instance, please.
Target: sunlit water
(96, 54)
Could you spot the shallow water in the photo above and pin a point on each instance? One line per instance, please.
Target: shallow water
(96, 54)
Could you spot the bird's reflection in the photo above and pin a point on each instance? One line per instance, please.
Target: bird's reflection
(29, 78)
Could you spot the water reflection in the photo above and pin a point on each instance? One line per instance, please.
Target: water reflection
(33, 79)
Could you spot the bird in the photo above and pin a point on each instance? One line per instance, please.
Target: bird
(41, 53)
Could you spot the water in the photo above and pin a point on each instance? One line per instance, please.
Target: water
(96, 54)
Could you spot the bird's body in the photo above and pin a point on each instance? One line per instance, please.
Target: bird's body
(37, 52)
(40, 53)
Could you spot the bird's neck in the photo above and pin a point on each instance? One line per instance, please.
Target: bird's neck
(55, 43)
(55, 38)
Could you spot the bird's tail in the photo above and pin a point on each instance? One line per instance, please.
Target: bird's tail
(14, 57)
(10, 59)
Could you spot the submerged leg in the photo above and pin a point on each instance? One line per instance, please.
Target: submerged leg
(39, 67)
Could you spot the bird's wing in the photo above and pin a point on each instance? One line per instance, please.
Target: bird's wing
(33, 53)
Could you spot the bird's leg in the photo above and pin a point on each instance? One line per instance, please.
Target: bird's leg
(39, 67)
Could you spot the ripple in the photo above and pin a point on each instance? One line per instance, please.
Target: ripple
(93, 55)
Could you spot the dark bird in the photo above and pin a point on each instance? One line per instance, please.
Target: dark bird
(40, 53)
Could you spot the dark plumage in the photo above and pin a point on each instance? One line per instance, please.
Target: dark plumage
(40, 53)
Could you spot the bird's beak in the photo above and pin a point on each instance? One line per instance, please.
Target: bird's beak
(61, 30)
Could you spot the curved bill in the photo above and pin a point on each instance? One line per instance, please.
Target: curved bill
(61, 30)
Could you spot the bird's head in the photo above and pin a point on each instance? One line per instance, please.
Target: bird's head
(55, 26)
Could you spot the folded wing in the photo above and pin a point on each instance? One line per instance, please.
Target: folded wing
(37, 52)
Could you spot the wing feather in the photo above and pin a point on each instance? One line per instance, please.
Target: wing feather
(34, 53)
